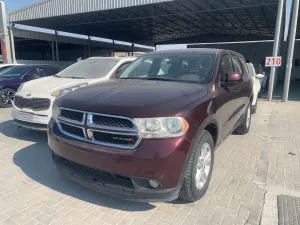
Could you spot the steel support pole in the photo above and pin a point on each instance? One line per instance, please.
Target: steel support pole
(132, 48)
(12, 45)
(155, 47)
(84, 51)
(275, 47)
(4, 38)
(113, 48)
(89, 46)
(53, 52)
(291, 46)
(56, 44)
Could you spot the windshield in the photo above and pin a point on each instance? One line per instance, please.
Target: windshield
(14, 71)
(183, 68)
(89, 68)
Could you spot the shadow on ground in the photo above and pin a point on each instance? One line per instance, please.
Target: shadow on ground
(37, 163)
(10, 130)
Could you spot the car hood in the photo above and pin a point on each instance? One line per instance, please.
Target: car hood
(52, 84)
(5, 81)
(134, 98)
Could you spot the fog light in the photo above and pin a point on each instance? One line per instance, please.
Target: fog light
(153, 184)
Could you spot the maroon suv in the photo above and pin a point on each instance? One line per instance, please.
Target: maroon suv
(151, 135)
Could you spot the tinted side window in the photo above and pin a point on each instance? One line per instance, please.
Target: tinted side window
(237, 65)
(38, 72)
(34, 73)
(244, 66)
(121, 69)
(51, 70)
(226, 67)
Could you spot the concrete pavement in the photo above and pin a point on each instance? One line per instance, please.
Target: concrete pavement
(32, 191)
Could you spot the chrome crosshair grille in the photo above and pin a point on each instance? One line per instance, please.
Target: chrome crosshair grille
(100, 129)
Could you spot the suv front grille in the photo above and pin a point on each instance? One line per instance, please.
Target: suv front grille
(36, 104)
(112, 122)
(72, 115)
(76, 131)
(106, 130)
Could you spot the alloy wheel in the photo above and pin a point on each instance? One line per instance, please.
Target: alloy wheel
(203, 166)
(7, 97)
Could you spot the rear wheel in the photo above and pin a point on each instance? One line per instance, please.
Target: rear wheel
(246, 123)
(6, 97)
(199, 168)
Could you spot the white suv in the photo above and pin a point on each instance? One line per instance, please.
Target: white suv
(32, 106)
(257, 82)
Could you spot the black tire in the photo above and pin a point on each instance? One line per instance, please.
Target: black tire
(244, 127)
(6, 97)
(189, 190)
(254, 108)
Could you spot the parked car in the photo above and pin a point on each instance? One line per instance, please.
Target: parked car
(32, 107)
(257, 80)
(14, 76)
(151, 136)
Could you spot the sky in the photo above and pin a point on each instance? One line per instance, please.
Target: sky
(15, 4)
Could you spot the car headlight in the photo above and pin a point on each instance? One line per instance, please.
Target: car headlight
(163, 127)
(55, 111)
(62, 92)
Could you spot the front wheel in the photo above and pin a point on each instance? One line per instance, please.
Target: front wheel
(6, 97)
(199, 168)
(246, 123)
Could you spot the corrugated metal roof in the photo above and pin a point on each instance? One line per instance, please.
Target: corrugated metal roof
(152, 22)
(49, 8)
(28, 34)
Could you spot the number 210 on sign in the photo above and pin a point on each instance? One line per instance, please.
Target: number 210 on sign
(273, 61)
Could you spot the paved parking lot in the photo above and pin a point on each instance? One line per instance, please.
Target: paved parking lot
(32, 191)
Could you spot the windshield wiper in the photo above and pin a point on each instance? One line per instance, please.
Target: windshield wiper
(148, 78)
(57, 76)
(159, 78)
(77, 77)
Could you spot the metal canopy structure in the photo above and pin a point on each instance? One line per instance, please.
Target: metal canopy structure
(33, 38)
(152, 22)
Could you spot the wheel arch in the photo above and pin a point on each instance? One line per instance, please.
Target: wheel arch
(211, 125)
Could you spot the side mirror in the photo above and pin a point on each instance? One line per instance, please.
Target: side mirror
(260, 76)
(233, 78)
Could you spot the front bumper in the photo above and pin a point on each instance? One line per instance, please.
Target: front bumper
(125, 189)
(32, 120)
(159, 160)
(31, 126)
